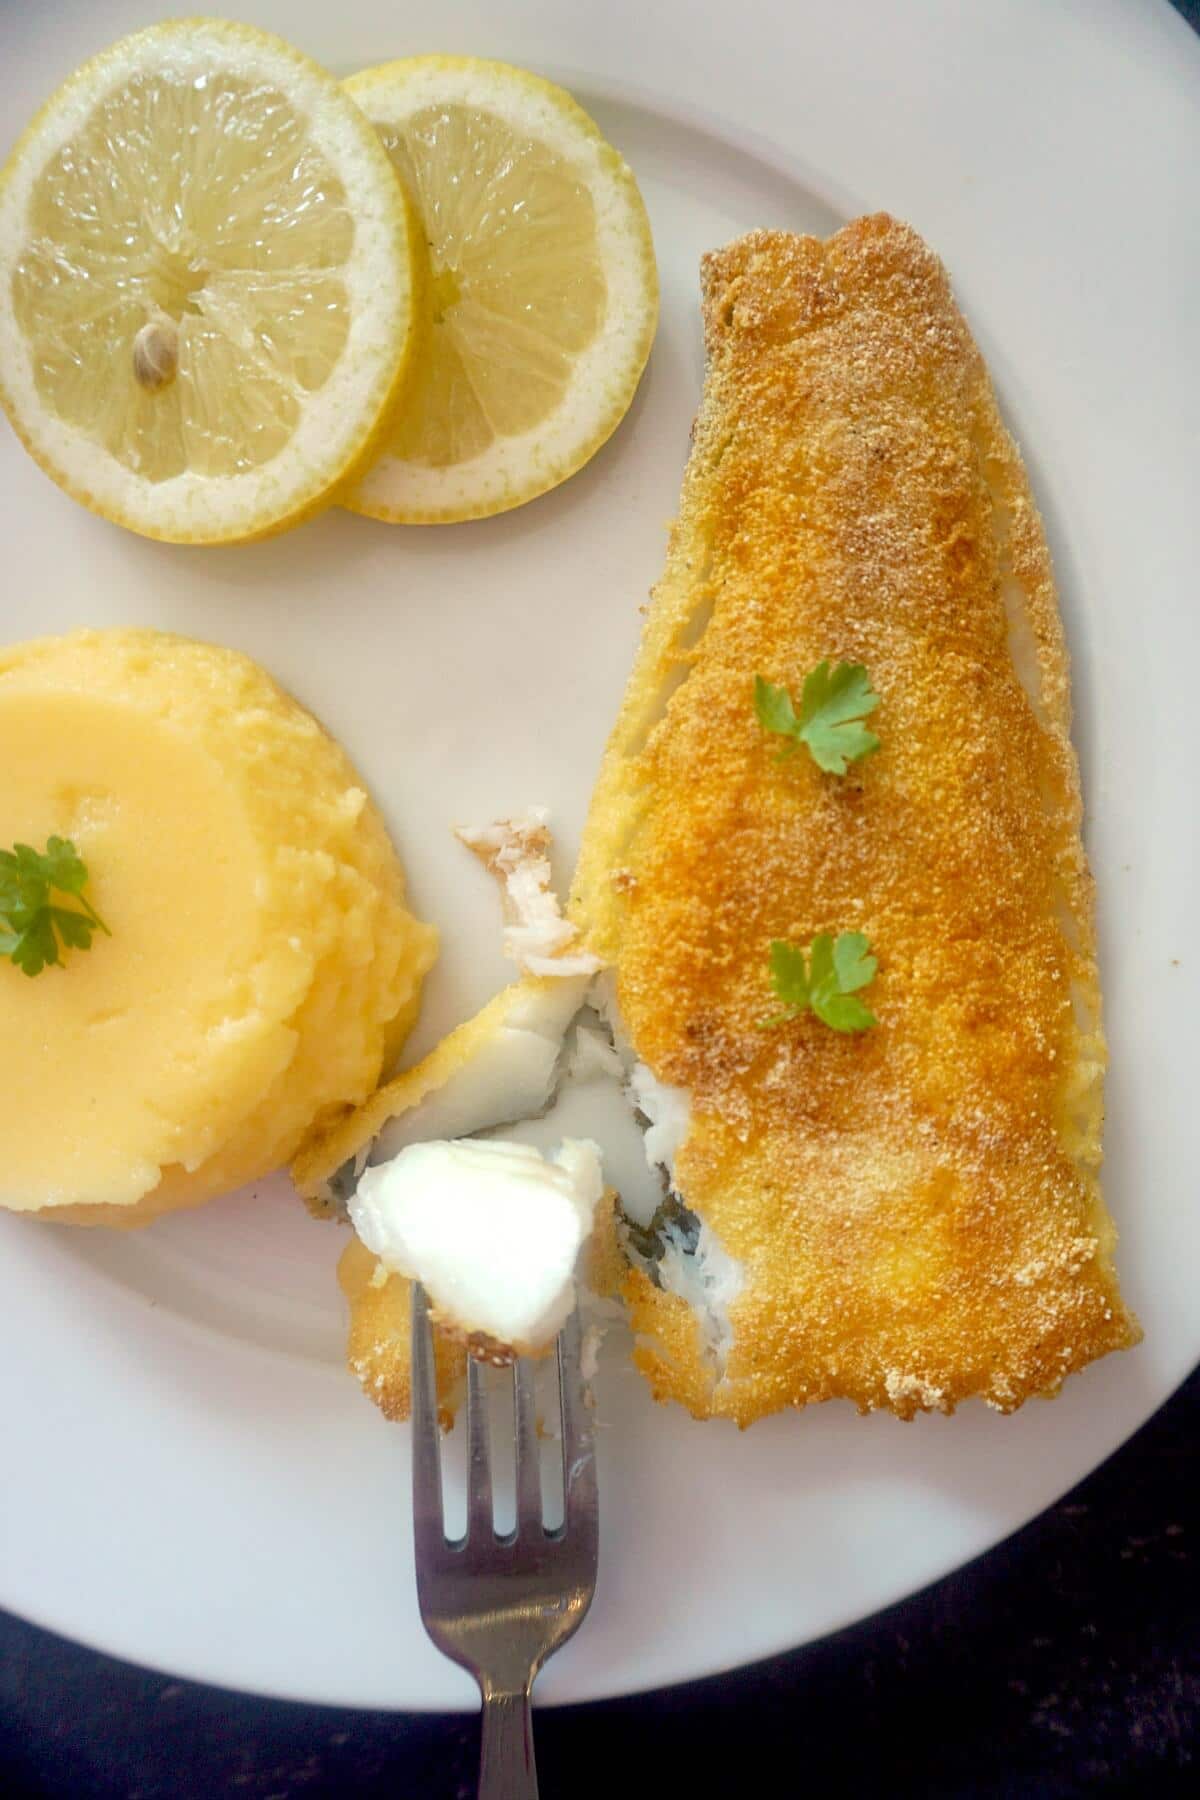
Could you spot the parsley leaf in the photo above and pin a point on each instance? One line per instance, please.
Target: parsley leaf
(32, 924)
(825, 982)
(839, 968)
(63, 866)
(789, 978)
(73, 928)
(37, 945)
(775, 711)
(833, 704)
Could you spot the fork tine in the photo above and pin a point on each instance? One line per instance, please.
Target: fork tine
(480, 1520)
(499, 1606)
(428, 1529)
(529, 1473)
(578, 1447)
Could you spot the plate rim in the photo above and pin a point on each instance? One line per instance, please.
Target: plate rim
(842, 200)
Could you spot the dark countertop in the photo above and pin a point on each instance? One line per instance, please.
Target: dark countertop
(1064, 1663)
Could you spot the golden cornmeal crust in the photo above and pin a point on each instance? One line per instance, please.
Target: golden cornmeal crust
(916, 1208)
(378, 1348)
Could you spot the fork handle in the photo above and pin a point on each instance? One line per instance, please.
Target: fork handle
(507, 1770)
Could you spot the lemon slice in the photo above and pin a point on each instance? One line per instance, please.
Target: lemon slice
(206, 288)
(542, 299)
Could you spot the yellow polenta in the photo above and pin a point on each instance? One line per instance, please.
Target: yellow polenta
(262, 962)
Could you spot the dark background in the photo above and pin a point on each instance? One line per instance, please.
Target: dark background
(1066, 1662)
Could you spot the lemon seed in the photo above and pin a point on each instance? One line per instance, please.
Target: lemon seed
(156, 355)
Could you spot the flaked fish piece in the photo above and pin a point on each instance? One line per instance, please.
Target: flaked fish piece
(536, 935)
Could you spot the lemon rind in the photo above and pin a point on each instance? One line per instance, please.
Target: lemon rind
(514, 470)
(341, 425)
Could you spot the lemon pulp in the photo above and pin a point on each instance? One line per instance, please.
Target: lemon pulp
(201, 208)
(539, 294)
(518, 288)
(206, 284)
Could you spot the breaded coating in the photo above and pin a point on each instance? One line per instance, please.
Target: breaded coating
(379, 1347)
(917, 1208)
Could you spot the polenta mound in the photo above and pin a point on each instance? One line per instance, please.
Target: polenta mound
(262, 961)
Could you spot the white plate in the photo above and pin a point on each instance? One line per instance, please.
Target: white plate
(193, 1482)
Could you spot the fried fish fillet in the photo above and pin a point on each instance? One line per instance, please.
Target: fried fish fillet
(912, 1215)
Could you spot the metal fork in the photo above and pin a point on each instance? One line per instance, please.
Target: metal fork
(501, 1605)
